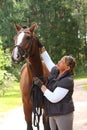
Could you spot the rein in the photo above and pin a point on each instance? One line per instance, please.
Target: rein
(36, 97)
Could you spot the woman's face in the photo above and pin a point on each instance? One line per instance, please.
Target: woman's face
(62, 65)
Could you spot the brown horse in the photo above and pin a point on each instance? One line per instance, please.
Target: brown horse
(27, 47)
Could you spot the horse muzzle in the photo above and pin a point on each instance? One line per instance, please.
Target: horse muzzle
(17, 59)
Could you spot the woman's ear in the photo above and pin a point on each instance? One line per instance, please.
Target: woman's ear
(68, 67)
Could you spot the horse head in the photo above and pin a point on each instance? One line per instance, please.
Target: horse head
(26, 43)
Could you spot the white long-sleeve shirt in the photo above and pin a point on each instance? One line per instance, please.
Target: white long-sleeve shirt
(48, 61)
(59, 93)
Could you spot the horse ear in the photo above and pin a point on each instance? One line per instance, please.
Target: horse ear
(33, 27)
(17, 26)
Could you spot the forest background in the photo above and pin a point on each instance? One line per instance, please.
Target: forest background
(62, 28)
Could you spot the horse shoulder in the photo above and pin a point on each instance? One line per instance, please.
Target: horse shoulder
(23, 67)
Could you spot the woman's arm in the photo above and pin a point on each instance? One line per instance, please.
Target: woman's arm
(46, 58)
(55, 96)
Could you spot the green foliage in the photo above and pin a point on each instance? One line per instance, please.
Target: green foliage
(62, 28)
(5, 60)
(58, 28)
(5, 76)
(58, 24)
(6, 81)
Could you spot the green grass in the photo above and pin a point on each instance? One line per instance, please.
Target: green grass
(11, 99)
(85, 86)
(82, 75)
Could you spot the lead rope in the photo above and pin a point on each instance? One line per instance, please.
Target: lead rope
(37, 96)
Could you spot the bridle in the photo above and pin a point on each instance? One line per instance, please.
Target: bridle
(25, 53)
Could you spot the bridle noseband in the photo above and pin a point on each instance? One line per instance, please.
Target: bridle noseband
(25, 53)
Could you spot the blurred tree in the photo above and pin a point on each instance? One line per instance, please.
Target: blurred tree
(62, 25)
(58, 30)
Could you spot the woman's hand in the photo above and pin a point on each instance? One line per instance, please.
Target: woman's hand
(37, 82)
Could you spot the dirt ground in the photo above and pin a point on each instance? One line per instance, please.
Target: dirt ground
(80, 100)
(14, 119)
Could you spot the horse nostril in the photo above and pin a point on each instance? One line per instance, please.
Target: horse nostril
(18, 56)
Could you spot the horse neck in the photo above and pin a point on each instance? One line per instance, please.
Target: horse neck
(36, 64)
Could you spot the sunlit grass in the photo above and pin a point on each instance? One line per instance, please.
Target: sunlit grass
(85, 86)
(11, 99)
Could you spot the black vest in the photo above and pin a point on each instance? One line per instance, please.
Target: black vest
(64, 106)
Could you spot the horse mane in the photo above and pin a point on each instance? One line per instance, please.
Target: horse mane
(35, 60)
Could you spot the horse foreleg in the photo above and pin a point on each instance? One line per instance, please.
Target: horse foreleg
(27, 106)
(29, 126)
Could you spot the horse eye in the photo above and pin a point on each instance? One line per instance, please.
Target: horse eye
(27, 38)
